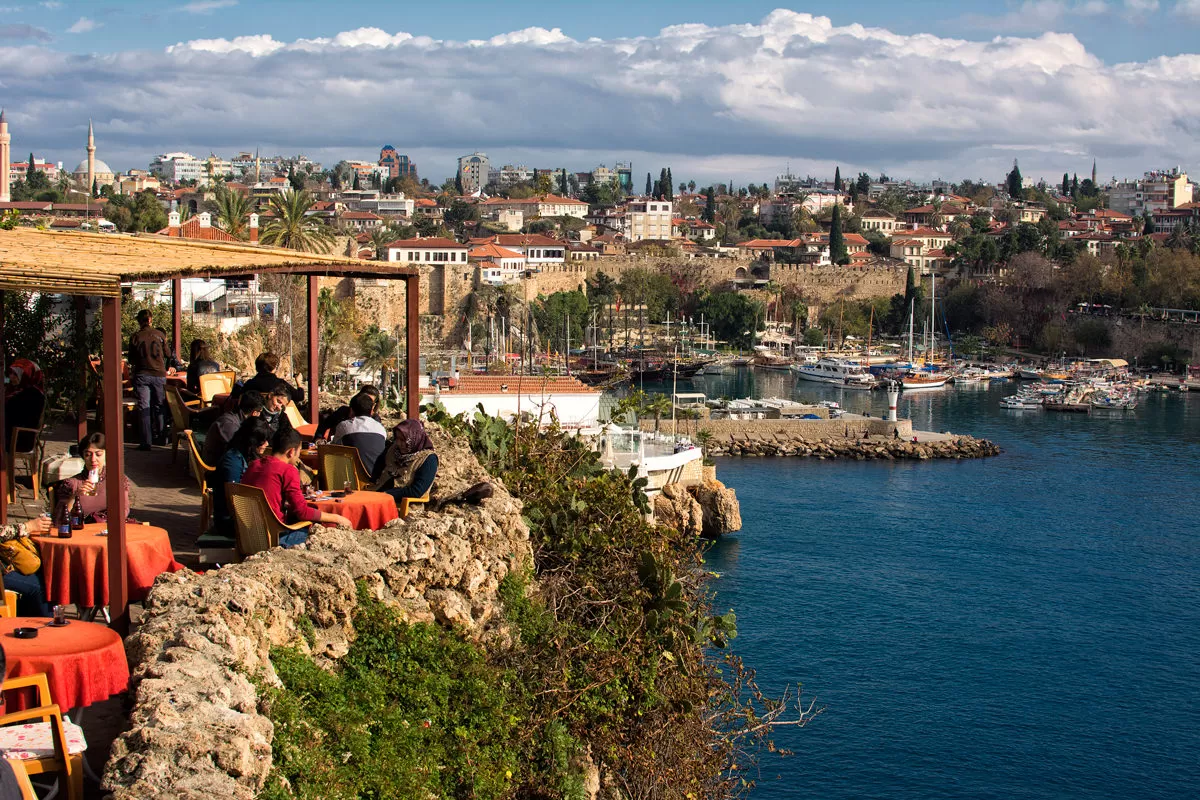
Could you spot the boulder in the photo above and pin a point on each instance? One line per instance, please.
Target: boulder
(675, 508)
(719, 506)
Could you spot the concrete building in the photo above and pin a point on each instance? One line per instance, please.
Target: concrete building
(5, 160)
(178, 167)
(397, 164)
(1156, 191)
(473, 172)
(509, 175)
(648, 219)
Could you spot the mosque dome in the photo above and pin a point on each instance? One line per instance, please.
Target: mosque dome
(101, 168)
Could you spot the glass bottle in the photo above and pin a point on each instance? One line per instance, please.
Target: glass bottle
(77, 515)
(63, 524)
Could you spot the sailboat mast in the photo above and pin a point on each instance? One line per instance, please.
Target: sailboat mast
(932, 312)
(912, 308)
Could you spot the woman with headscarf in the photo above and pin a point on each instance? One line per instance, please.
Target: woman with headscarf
(24, 401)
(410, 465)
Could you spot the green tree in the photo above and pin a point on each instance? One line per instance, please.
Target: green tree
(734, 317)
(1014, 184)
(461, 211)
(1066, 184)
(658, 405)
(295, 180)
(814, 337)
(291, 227)
(837, 179)
(233, 212)
(669, 186)
(837, 241)
(336, 321)
(146, 213)
(863, 183)
(649, 186)
(379, 351)
(562, 315)
(564, 188)
(710, 205)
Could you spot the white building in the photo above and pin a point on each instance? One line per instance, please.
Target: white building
(433, 250)
(508, 175)
(1156, 191)
(648, 219)
(387, 205)
(177, 167)
(572, 403)
(538, 250)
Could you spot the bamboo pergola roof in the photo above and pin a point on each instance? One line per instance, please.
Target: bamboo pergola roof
(98, 263)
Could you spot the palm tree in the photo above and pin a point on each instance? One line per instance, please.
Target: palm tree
(658, 405)
(381, 237)
(291, 227)
(378, 350)
(233, 213)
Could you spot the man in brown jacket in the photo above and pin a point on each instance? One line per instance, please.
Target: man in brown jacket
(148, 361)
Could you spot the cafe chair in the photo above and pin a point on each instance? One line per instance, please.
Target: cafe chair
(31, 458)
(9, 608)
(181, 417)
(201, 472)
(257, 527)
(215, 383)
(294, 416)
(405, 502)
(341, 464)
(41, 738)
(22, 777)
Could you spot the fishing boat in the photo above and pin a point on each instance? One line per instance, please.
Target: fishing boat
(1018, 402)
(839, 371)
(915, 381)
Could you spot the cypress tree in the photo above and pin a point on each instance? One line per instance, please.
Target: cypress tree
(669, 186)
(95, 189)
(1066, 184)
(837, 179)
(837, 242)
(563, 188)
(1149, 227)
(710, 205)
(649, 186)
(662, 179)
(458, 184)
(910, 287)
(1014, 184)
(1075, 186)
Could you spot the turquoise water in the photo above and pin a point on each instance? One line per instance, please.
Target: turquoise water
(1026, 626)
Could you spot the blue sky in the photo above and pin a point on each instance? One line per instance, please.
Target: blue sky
(716, 90)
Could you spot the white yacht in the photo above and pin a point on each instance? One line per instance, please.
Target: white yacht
(839, 371)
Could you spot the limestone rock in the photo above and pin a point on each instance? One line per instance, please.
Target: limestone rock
(677, 509)
(719, 506)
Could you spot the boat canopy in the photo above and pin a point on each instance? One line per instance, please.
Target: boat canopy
(1115, 363)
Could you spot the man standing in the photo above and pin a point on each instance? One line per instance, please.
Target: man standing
(148, 360)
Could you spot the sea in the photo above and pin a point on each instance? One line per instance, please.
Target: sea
(1022, 626)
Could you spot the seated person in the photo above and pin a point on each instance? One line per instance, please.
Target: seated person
(275, 401)
(329, 421)
(250, 404)
(277, 476)
(364, 433)
(249, 444)
(31, 593)
(24, 402)
(409, 465)
(265, 379)
(89, 485)
(200, 364)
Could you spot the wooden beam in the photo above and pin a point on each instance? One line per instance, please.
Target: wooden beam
(81, 351)
(177, 317)
(4, 465)
(314, 378)
(114, 433)
(412, 345)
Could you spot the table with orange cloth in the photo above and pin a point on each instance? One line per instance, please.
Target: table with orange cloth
(75, 570)
(367, 511)
(307, 432)
(84, 662)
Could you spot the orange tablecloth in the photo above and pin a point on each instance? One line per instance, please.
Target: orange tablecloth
(367, 511)
(308, 431)
(76, 569)
(178, 379)
(84, 662)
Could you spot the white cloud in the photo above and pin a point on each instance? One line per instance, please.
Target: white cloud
(735, 101)
(83, 25)
(1039, 15)
(51, 4)
(1188, 9)
(1141, 6)
(207, 6)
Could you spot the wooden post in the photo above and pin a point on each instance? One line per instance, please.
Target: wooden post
(177, 317)
(114, 433)
(84, 367)
(412, 345)
(314, 382)
(4, 465)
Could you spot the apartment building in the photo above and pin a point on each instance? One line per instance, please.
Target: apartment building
(1156, 191)
(648, 219)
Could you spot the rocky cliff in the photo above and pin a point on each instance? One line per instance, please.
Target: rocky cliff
(196, 730)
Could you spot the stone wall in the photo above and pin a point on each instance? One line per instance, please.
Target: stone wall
(551, 279)
(728, 430)
(1131, 337)
(195, 728)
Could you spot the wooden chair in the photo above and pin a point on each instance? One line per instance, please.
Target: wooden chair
(9, 609)
(257, 527)
(22, 776)
(215, 383)
(294, 416)
(405, 502)
(31, 458)
(53, 744)
(341, 464)
(181, 417)
(201, 472)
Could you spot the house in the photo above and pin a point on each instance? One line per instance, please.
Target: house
(1099, 243)
(425, 207)
(1028, 212)
(919, 254)
(433, 250)
(549, 205)
(932, 238)
(538, 250)
(648, 219)
(360, 220)
(855, 242)
(497, 265)
(881, 220)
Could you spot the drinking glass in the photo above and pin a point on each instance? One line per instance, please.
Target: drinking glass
(348, 488)
(93, 478)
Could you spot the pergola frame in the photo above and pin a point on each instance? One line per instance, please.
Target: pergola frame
(91, 265)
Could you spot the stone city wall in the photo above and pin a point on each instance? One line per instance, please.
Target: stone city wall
(732, 430)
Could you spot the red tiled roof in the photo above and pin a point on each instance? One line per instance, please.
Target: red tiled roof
(192, 230)
(530, 385)
(491, 250)
(25, 206)
(93, 206)
(425, 202)
(426, 244)
(362, 215)
(855, 238)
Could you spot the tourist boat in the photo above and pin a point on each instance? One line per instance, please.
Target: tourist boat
(1114, 401)
(1018, 402)
(1029, 374)
(772, 362)
(838, 371)
(917, 381)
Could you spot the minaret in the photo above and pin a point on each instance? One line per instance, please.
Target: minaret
(91, 151)
(5, 159)
(257, 168)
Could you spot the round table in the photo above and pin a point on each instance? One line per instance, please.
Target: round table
(84, 662)
(307, 432)
(76, 570)
(365, 510)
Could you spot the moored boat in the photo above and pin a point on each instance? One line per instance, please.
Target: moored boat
(837, 371)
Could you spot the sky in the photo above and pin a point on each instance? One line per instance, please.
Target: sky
(716, 91)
